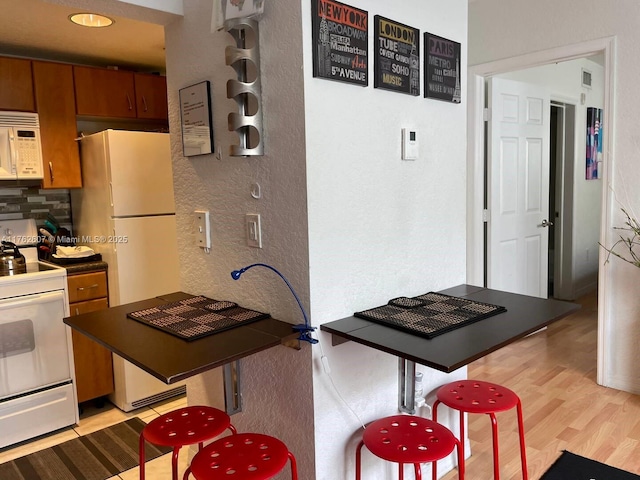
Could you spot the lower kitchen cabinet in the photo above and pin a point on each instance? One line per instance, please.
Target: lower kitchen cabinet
(88, 292)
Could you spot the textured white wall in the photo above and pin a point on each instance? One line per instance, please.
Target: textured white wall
(499, 30)
(564, 82)
(346, 221)
(277, 386)
(379, 227)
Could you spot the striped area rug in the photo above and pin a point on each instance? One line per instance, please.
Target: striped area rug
(96, 456)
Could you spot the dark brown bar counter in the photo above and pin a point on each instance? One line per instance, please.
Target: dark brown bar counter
(170, 358)
(459, 347)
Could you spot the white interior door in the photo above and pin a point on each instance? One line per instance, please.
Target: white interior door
(518, 187)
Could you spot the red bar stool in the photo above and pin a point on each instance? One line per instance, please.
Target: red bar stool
(408, 439)
(184, 426)
(245, 456)
(474, 396)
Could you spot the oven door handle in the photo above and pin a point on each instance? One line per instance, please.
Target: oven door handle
(31, 300)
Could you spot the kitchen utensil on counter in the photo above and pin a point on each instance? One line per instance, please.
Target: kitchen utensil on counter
(12, 262)
(50, 226)
(47, 235)
(63, 237)
(51, 221)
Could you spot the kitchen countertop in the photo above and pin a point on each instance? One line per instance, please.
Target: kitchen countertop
(85, 267)
(451, 350)
(170, 358)
(81, 267)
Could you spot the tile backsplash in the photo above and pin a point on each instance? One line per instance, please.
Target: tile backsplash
(32, 202)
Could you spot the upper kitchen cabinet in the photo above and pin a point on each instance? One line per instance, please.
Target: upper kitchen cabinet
(102, 92)
(57, 112)
(151, 96)
(16, 85)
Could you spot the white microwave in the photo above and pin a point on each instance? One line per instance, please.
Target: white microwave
(20, 148)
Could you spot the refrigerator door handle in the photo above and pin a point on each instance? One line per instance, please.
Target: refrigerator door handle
(111, 193)
(114, 243)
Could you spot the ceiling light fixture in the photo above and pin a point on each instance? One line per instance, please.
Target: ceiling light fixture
(91, 20)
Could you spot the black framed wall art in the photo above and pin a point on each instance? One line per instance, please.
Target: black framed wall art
(396, 57)
(442, 68)
(340, 44)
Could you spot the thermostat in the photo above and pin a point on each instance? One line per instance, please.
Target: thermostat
(409, 144)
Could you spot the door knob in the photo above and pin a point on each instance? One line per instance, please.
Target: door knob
(546, 223)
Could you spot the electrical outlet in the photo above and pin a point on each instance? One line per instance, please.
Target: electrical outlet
(253, 230)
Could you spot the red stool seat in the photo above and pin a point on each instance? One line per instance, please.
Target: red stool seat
(475, 396)
(245, 456)
(184, 426)
(408, 439)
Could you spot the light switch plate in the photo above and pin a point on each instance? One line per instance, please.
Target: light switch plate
(253, 230)
(203, 229)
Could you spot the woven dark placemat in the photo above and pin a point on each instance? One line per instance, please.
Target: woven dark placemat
(431, 314)
(196, 317)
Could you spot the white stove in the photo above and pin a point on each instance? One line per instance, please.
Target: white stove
(37, 391)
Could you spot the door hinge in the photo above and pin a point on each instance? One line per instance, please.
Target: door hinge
(485, 215)
(486, 114)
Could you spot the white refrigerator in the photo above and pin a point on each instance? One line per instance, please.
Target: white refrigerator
(126, 212)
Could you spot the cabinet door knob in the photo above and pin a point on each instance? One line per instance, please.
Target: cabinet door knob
(51, 171)
(129, 100)
(144, 102)
(81, 289)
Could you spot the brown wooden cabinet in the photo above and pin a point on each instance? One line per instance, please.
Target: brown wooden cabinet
(16, 85)
(151, 96)
(88, 292)
(55, 102)
(102, 92)
(58, 92)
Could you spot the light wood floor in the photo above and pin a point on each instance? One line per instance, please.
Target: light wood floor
(554, 373)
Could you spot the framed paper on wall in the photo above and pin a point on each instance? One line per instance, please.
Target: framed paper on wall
(196, 120)
(442, 69)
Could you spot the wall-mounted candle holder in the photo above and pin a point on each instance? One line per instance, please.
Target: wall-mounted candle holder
(246, 90)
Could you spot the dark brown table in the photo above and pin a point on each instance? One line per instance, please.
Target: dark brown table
(170, 358)
(454, 349)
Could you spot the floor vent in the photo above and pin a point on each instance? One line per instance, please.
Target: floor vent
(159, 397)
